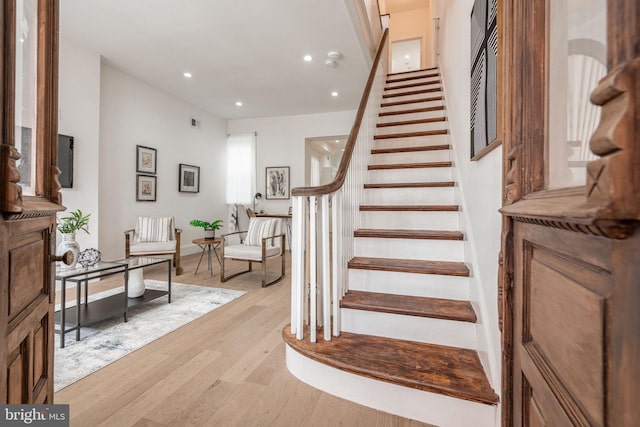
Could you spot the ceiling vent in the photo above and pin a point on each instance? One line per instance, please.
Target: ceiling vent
(195, 123)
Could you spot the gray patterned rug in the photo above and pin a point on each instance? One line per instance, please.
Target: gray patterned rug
(108, 341)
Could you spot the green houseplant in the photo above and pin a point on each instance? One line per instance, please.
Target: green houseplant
(68, 226)
(209, 227)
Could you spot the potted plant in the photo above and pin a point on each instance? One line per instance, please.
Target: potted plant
(209, 227)
(68, 226)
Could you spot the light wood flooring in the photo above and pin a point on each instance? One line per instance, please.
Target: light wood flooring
(226, 368)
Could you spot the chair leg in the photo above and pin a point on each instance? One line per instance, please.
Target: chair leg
(176, 264)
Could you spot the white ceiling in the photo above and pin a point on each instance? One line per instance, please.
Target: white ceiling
(237, 50)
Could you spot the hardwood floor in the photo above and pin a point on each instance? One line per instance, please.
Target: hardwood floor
(226, 368)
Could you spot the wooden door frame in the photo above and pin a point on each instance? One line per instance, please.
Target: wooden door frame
(608, 205)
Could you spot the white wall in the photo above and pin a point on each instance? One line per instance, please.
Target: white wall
(133, 112)
(281, 142)
(480, 181)
(79, 116)
(412, 24)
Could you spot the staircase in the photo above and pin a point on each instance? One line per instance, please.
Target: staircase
(408, 330)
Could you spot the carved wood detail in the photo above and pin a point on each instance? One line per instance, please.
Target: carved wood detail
(12, 197)
(613, 181)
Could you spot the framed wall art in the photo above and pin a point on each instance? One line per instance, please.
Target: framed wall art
(145, 188)
(146, 159)
(277, 182)
(189, 178)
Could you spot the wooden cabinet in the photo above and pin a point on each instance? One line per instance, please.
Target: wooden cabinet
(29, 199)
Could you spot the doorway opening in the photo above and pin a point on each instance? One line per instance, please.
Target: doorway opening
(406, 55)
(322, 158)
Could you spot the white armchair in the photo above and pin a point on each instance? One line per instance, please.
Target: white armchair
(261, 242)
(154, 236)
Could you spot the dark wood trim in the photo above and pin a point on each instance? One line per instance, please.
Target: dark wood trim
(412, 134)
(411, 101)
(444, 268)
(410, 166)
(411, 185)
(408, 234)
(341, 174)
(412, 111)
(412, 122)
(410, 149)
(411, 92)
(409, 208)
(435, 308)
(406, 79)
(410, 85)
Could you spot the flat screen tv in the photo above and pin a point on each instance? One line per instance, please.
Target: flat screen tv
(65, 160)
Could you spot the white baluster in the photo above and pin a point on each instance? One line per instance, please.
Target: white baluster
(313, 319)
(298, 239)
(326, 269)
(336, 261)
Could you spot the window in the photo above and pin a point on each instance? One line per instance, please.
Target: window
(241, 168)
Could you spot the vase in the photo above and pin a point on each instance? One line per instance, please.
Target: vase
(209, 234)
(136, 283)
(68, 244)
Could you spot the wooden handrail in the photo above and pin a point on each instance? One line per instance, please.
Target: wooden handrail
(337, 182)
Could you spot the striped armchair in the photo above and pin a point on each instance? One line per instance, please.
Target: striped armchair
(154, 236)
(261, 242)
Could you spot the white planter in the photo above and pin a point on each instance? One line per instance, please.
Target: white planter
(136, 283)
(209, 234)
(68, 244)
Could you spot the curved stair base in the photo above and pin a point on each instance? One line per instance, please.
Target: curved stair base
(431, 408)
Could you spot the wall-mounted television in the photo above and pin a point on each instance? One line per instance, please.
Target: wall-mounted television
(65, 160)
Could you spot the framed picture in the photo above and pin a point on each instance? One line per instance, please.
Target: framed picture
(189, 179)
(146, 159)
(145, 188)
(277, 182)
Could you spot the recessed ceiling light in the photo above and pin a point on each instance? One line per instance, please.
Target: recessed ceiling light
(308, 58)
(187, 75)
(337, 140)
(238, 104)
(334, 93)
(407, 56)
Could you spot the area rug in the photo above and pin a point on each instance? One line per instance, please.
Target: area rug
(111, 339)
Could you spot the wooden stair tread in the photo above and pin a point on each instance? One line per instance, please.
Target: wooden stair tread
(411, 92)
(410, 149)
(412, 111)
(411, 185)
(410, 208)
(410, 165)
(412, 134)
(445, 268)
(408, 234)
(412, 122)
(450, 371)
(411, 101)
(415, 84)
(436, 308)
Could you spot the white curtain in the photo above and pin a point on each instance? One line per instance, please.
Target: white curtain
(241, 168)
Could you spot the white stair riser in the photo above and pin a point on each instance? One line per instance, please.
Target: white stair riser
(402, 107)
(411, 116)
(431, 408)
(408, 196)
(412, 74)
(411, 220)
(411, 284)
(389, 86)
(412, 97)
(423, 86)
(433, 250)
(411, 328)
(414, 141)
(418, 127)
(411, 157)
(388, 176)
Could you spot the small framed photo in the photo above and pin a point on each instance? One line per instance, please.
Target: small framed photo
(277, 182)
(145, 188)
(189, 179)
(146, 159)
